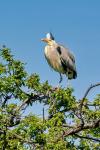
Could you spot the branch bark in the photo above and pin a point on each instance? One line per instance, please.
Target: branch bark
(80, 128)
(31, 99)
(88, 137)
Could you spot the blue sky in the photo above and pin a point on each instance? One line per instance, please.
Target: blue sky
(74, 23)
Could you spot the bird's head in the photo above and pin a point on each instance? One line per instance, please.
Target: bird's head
(49, 39)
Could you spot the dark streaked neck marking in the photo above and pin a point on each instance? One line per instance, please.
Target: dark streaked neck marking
(59, 50)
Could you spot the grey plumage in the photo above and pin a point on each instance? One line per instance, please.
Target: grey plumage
(60, 58)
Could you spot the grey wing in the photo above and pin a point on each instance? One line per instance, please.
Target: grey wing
(67, 59)
(72, 57)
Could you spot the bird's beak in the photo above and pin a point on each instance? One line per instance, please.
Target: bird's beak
(45, 40)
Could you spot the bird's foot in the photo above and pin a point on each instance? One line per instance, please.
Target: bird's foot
(60, 78)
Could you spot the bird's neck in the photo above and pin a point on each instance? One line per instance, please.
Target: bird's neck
(51, 43)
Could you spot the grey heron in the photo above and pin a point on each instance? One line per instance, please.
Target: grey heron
(59, 58)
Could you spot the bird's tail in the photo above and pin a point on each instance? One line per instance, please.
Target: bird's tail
(72, 74)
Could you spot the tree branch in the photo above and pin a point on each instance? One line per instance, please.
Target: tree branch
(68, 126)
(80, 128)
(5, 100)
(31, 99)
(88, 90)
(84, 97)
(87, 137)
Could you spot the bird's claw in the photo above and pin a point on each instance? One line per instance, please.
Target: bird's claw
(60, 79)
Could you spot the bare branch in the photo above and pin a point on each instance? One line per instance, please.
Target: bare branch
(82, 100)
(68, 126)
(80, 128)
(6, 99)
(88, 90)
(31, 99)
(90, 104)
(91, 87)
(87, 137)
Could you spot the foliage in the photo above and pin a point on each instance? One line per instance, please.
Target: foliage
(71, 124)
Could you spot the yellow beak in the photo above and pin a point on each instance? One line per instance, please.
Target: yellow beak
(45, 40)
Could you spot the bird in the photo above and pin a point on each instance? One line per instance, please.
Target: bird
(59, 58)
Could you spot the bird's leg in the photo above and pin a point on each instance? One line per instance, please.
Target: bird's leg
(60, 78)
(58, 86)
(68, 83)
